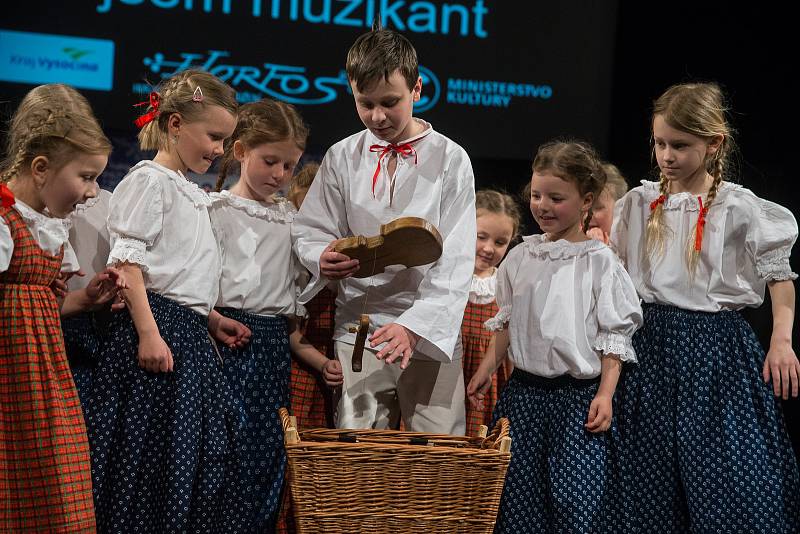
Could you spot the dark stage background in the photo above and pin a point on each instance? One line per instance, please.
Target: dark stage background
(500, 77)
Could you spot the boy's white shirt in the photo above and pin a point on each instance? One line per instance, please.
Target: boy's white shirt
(436, 184)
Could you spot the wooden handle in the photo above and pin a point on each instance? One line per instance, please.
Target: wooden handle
(361, 338)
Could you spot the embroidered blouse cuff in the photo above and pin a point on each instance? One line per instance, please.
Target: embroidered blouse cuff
(610, 343)
(774, 266)
(128, 250)
(499, 321)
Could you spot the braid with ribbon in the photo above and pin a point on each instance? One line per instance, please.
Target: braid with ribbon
(657, 231)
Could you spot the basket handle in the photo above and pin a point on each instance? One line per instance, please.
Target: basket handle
(289, 424)
(500, 437)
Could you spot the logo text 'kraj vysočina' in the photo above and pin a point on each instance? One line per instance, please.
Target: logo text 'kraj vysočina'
(416, 17)
(289, 83)
(37, 58)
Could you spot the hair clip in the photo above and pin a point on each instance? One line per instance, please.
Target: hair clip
(198, 95)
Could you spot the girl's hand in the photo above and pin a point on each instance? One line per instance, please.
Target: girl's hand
(782, 365)
(154, 354)
(600, 413)
(230, 332)
(105, 286)
(598, 234)
(478, 386)
(332, 373)
(400, 342)
(59, 285)
(336, 266)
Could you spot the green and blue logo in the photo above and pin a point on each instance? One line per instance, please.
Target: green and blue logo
(37, 58)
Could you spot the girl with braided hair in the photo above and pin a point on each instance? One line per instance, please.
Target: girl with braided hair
(56, 150)
(162, 422)
(258, 287)
(705, 446)
(567, 311)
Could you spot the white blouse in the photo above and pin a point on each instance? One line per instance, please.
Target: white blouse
(89, 237)
(159, 220)
(258, 265)
(482, 290)
(747, 242)
(565, 304)
(49, 232)
(437, 184)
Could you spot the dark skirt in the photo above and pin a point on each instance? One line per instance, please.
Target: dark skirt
(557, 476)
(704, 447)
(258, 375)
(81, 342)
(163, 444)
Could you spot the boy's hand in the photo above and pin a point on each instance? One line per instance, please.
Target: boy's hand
(336, 266)
(781, 363)
(478, 386)
(154, 354)
(600, 413)
(332, 373)
(400, 342)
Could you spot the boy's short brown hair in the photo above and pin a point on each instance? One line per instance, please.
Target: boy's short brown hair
(380, 53)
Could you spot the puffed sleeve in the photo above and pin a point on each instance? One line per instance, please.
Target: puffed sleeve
(135, 218)
(618, 241)
(505, 291)
(619, 313)
(6, 246)
(322, 218)
(69, 264)
(770, 238)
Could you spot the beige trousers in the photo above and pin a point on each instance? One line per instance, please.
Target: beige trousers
(428, 395)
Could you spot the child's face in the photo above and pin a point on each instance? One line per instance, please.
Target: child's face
(557, 205)
(603, 212)
(267, 167)
(72, 184)
(200, 142)
(386, 107)
(681, 156)
(495, 231)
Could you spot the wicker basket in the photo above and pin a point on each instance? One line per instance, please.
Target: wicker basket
(385, 481)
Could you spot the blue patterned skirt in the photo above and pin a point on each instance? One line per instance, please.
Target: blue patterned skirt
(704, 447)
(258, 375)
(81, 343)
(163, 444)
(557, 476)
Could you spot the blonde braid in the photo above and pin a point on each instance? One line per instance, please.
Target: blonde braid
(23, 144)
(657, 232)
(717, 172)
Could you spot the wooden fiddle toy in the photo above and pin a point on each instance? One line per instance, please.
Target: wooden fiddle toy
(408, 241)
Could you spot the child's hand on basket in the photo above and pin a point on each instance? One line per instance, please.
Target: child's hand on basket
(478, 386)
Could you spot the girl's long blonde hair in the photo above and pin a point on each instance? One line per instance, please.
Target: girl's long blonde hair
(697, 109)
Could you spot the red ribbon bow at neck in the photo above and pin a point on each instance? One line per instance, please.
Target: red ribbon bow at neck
(153, 102)
(405, 149)
(6, 196)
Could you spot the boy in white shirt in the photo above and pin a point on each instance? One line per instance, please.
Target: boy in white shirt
(398, 167)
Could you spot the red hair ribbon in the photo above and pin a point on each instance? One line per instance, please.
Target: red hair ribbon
(701, 223)
(150, 115)
(660, 200)
(404, 150)
(6, 196)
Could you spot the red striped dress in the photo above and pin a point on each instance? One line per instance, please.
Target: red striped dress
(45, 470)
(310, 397)
(475, 340)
